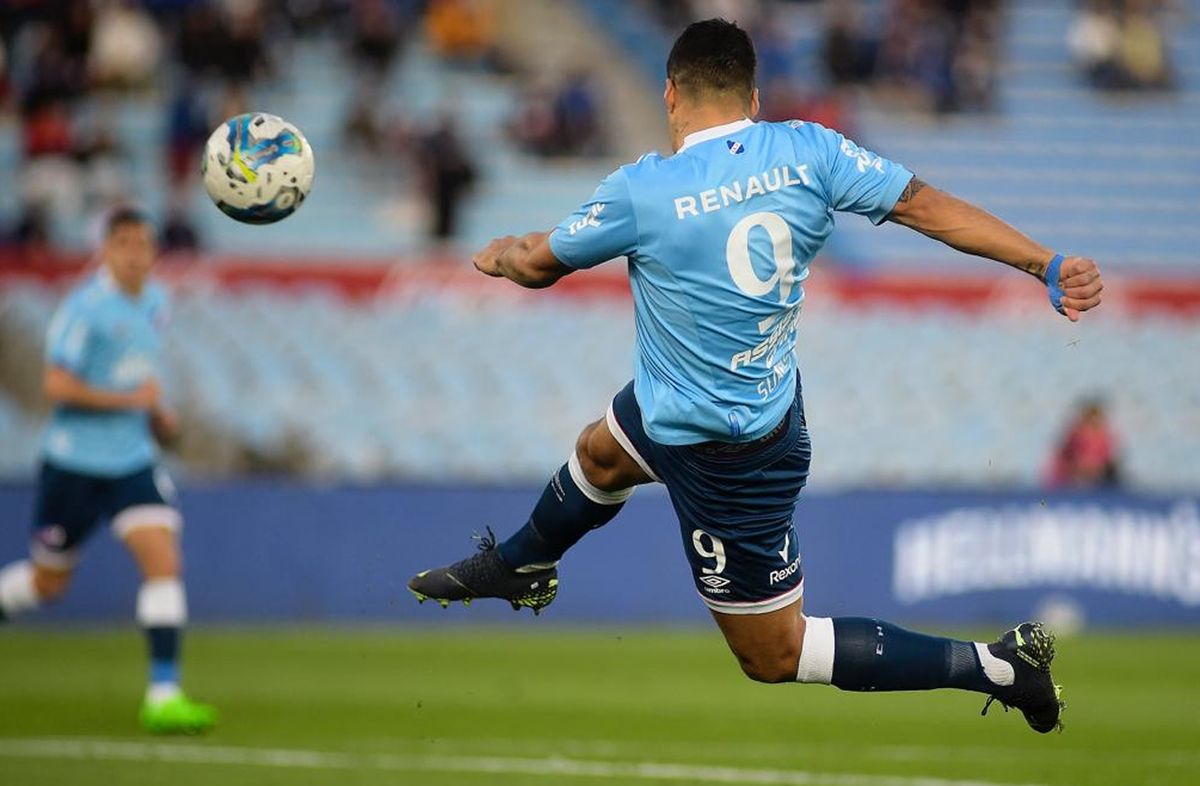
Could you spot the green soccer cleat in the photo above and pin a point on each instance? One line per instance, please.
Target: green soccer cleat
(177, 715)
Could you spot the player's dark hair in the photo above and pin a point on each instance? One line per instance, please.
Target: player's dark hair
(123, 216)
(713, 56)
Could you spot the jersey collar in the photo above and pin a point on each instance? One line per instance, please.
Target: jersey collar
(714, 132)
(104, 278)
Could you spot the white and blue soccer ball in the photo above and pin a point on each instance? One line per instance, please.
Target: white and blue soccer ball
(257, 168)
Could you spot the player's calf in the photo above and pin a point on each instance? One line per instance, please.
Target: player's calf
(584, 494)
(50, 584)
(771, 665)
(767, 646)
(24, 586)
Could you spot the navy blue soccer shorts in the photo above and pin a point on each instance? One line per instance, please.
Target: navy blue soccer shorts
(70, 505)
(734, 502)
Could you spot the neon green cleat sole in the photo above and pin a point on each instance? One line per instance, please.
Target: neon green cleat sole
(177, 715)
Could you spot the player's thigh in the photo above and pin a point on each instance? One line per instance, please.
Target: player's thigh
(767, 646)
(620, 441)
(68, 507)
(145, 519)
(605, 462)
(736, 521)
(155, 549)
(736, 516)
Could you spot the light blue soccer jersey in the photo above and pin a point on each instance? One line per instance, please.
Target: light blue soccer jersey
(110, 341)
(719, 238)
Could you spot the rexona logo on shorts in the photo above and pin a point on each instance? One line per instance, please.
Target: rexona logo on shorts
(779, 575)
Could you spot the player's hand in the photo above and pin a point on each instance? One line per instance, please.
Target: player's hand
(487, 261)
(1081, 285)
(164, 424)
(145, 396)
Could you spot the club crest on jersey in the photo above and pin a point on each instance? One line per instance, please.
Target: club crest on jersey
(735, 147)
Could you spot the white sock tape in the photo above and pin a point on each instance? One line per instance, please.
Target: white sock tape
(17, 593)
(816, 654)
(161, 603)
(599, 496)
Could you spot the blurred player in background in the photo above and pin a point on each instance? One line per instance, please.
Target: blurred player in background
(719, 237)
(100, 459)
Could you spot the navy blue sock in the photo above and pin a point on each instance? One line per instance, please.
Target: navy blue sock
(873, 655)
(569, 508)
(164, 654)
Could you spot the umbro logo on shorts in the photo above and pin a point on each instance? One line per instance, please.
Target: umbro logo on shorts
(715, 582)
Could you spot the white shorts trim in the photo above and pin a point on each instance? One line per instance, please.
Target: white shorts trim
(141, 516)
(599, 496)
(623, 439)
(760, 606)
(53, 560)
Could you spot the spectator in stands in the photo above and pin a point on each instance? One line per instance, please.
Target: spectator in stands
(125, 46)
(363, 128)
(4, 87)
(1143, 53)
(1094, 40)
(188, 126)
(577, 114)
(464, 31)
(785, 99)
(533, 127)
(1119, 45)
(376, 34)
(201, 36)
(1087, 455)
(561, 121)
(244, 55)
(447, 173)
(848, 50)
(178, 233)
(31, 234)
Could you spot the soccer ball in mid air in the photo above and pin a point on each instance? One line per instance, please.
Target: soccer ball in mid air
(257, 168)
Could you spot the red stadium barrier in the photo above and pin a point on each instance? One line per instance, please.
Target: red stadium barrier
(365, 279)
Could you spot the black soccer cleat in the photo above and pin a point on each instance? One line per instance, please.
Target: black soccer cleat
(485, 575)
(1029, 647)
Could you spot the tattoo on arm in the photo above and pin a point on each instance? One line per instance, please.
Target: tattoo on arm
(912, 189)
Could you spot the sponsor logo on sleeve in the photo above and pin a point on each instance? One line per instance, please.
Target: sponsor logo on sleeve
(590, 219)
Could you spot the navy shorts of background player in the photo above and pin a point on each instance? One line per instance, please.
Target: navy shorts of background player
(70, 505)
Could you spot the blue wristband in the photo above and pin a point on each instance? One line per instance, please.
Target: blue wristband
(1052, 288)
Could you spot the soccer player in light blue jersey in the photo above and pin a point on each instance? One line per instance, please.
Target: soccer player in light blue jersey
(719, 237)
(100, 460)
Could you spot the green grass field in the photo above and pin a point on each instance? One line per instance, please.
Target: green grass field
(353, 706)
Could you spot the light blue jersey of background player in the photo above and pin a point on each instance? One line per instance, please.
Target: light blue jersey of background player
(719, 238)
(110, 341)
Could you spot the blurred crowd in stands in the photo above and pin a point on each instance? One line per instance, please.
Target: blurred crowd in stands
(68, 66)
(939, 56)
(1120, 45)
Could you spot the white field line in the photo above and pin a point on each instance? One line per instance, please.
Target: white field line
(769, 750)
(176, 753)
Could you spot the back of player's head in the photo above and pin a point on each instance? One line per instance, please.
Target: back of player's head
(125, 215)
(713, 58)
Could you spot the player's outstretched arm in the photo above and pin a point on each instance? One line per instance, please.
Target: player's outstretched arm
(525, 260)
(62, 387)
(969, 229)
